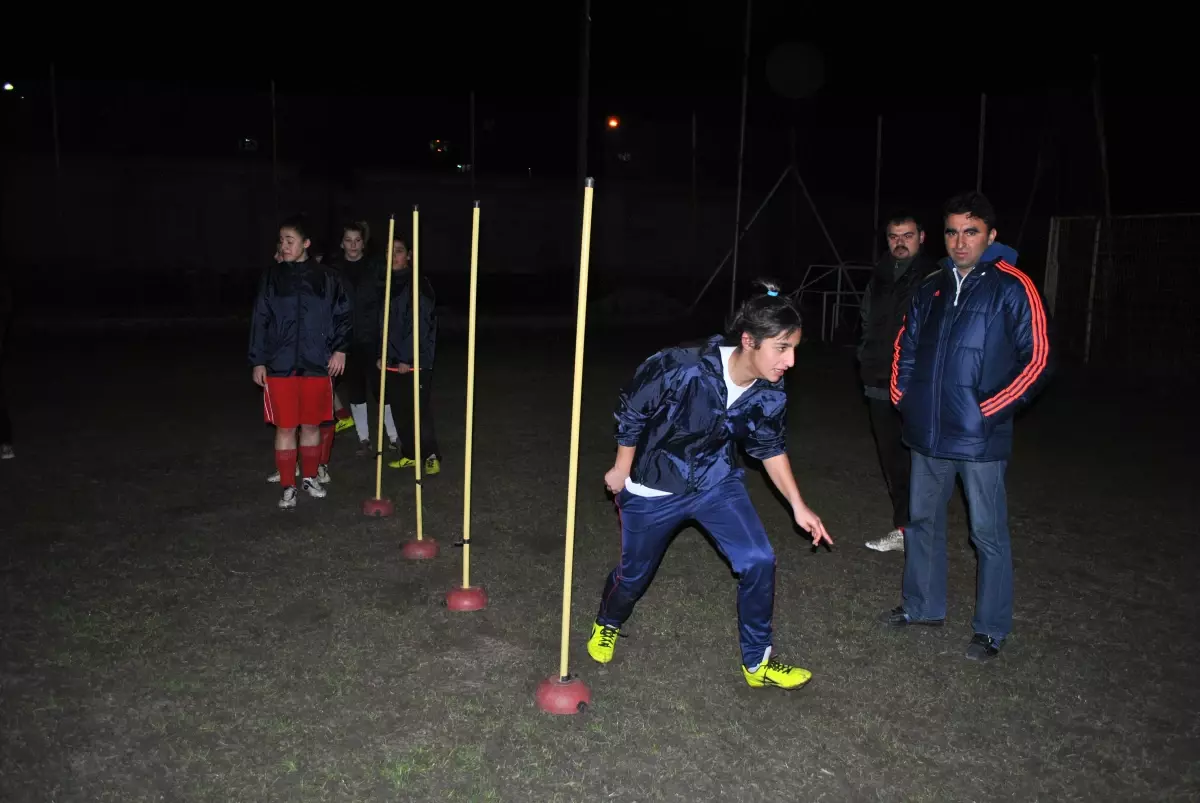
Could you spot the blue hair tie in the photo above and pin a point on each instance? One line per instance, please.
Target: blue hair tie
(772, 293)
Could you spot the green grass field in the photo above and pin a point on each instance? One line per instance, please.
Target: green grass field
(168, 635)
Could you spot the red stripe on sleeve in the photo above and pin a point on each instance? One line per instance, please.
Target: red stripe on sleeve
(1041, 348)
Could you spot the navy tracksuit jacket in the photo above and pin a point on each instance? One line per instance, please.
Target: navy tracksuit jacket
(301, 316)
(674, 414)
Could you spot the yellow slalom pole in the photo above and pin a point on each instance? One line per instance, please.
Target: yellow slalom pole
(387, 306)
(470, 399)
(418, 456)
(576, 404)
(561, 693)
(466, 597)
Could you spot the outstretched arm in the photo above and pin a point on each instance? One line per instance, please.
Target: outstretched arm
(779, 469)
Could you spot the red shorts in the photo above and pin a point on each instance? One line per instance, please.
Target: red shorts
(292, 401)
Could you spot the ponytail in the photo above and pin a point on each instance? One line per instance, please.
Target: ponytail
(766, 314)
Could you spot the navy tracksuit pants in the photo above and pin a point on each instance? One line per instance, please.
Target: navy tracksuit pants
(725, 511)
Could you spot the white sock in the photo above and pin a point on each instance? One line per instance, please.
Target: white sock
(390, 423)
(359, 411)
(766, 657)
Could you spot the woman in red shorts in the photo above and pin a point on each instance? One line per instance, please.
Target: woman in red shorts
(299, 333)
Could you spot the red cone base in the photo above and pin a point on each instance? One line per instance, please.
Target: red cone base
(378, 507)
(558, 696)
(425, 549)
(466, 598)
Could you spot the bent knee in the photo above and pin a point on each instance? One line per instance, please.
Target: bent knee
(758, 561)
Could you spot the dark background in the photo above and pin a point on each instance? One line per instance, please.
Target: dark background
(156, 207)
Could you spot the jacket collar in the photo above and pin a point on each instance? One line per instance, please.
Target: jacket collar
(979, 268)
(710, 358)
(919, 264)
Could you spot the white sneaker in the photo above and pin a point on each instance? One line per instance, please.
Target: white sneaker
(274, 475)
(892, 542)
(288, 500)
(6, 452)
(323, 474)
(313, 488)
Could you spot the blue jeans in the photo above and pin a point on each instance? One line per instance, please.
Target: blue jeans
(932, 485)
(725, 511)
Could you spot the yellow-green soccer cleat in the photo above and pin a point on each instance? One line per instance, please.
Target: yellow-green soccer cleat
(775, 673)
(433, 466)
(603, 642)
(342, 425)
(403, 462)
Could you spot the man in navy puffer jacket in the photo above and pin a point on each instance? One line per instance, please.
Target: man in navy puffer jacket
(974, 349)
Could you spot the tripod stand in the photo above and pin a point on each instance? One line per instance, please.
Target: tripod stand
(809, 281)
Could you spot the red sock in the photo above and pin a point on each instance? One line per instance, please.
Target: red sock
(310, 458)
(285, 461)
(326, 444)
(342, 414)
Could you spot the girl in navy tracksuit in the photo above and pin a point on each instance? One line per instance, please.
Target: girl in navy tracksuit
(678, 425)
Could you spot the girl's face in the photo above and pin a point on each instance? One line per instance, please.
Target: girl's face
(292, 247)
(399, 255)
(772, 358)
(352, 245)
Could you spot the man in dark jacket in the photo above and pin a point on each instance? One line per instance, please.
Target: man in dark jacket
(299, 334)
(884, 305)
(974, 349)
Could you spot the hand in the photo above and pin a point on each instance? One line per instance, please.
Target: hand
(260, 375)
(811, 524)
(403, 368)
(614, 480)
(379, 364)
(337, 363)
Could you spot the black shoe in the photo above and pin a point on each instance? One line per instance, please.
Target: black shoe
(896, 617)
(983, 648)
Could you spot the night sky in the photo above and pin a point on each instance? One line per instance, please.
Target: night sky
(346, 106)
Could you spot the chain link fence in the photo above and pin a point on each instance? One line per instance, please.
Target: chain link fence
(1123, 292)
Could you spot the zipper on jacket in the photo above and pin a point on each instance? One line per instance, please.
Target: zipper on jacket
(938, 369)
(299, 327)
(959, 280)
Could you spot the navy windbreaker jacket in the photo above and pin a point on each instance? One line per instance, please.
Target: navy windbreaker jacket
(363, 282)
(400, 321)
(301, 317)
(673, 412)
(968, 357)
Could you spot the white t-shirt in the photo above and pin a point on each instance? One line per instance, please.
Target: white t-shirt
(733, 392)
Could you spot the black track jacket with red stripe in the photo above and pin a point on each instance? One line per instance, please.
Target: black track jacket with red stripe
(970, 354)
